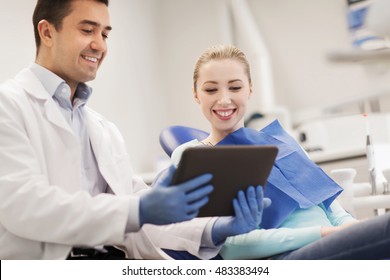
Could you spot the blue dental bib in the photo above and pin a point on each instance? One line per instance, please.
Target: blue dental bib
(295, 181)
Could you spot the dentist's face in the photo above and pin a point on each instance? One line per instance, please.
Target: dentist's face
(79, 47)
(223, 91)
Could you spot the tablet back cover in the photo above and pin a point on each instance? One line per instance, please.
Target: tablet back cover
(234, 168)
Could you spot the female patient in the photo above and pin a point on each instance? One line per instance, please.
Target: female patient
(304, 221)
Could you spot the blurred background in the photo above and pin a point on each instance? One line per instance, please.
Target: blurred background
(316, 67)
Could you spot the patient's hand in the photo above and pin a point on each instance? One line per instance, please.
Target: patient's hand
(325, 231)
(248, 209)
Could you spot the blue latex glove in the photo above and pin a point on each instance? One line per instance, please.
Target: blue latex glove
(248, 209)
(165, 204)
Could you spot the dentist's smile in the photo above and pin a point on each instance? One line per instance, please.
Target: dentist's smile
(90, 58)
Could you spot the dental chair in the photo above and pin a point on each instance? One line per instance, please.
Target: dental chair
(358, 198)
(173, 136)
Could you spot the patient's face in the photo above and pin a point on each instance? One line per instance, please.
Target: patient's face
(223, 91)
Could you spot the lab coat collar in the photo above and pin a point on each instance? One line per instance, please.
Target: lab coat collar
(36, 90)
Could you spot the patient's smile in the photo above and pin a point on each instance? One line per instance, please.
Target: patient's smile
(224, 114)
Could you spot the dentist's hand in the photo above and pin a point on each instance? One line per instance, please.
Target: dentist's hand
(248, 209)
(165, 204)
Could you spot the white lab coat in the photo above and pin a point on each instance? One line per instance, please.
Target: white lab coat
(43, 213)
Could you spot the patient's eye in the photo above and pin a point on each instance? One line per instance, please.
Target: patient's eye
(236, 88)
(210, 90)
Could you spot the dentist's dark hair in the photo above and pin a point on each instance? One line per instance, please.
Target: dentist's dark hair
(54, 12)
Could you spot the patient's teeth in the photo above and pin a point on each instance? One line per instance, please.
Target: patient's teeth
(225, 113)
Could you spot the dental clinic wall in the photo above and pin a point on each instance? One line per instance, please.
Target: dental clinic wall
(145, 83)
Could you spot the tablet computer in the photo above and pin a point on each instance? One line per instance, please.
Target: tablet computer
(233, 167)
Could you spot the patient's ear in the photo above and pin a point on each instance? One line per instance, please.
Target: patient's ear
(250, 90)
(195, 96)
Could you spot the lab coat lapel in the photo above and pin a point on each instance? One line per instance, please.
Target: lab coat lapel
(95, 132)
(35, 89)
(102, 146)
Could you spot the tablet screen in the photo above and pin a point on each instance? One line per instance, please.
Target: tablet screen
(234, 168)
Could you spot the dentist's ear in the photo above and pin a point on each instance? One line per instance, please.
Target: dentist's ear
(195, 96)
(45, 30)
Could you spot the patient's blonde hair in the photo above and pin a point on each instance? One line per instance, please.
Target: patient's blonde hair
(221, 52)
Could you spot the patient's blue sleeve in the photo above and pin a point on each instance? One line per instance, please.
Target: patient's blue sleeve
(262, 243)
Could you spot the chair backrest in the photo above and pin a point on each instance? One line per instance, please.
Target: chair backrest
(173, 136)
